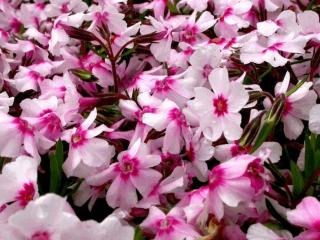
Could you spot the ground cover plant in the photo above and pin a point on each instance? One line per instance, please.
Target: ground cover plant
(159, 119)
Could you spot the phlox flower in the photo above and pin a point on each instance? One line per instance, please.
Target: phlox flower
(284, 23)
(297, 107)
(314, 119)
(18, 184)
(178, 88)
(203, 61)
(260, 232)
(132, 171)
(111, 227)
(306, 215)
(191, 29)
(175, 183)
(161, 49)
(198, 151)
(23, 138)
(198, 5)
(107, 15)
(132, 110)
(169, 226)
(218, 111)
(85, 147)
(229, 185)
(45, 218)
(170, 118)
(267, 49)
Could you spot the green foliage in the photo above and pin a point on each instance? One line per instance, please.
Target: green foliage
(297, 179)
(138, 234)
(56, 161)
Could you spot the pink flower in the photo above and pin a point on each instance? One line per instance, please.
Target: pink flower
(85, 148)
(110, 227)
(131, 172)
(314, 120)
(267, 50)
(170, 118)
(171, 226)
(23, 140)
(18, 183)
(285, 23)
(191, 30)
(178, 88)
(47, 117)
(306, 215)
(260, 232)
(229, 185)
(198, 5)
(203, 61)
(175, 183)
(297, 107)
(218, 111)
(45, 218)
(108, 15)
(198, 151)
(161, 49)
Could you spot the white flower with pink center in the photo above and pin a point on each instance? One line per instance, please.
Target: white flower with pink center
(132, 110)
(107, 15)
(170, 118)
(229, 185)
(263, 49)
(218, 111)
(132, 171)
(191, 30)
(297, 106)
(110, 227)
(18, 183)
(43, 219)
(198, 151)
(30, 78)
(47, 117)
(306, 215)
(22, 140)
(85, 148)
(178, 88)
(203, 61)
(169, 226)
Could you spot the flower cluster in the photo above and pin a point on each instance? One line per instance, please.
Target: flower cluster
(159, 119)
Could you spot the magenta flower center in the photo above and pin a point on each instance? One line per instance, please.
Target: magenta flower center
(255, 168)
(35, 76)
(206, 70)
(163, 85)
(23, 126)
(26, 194)
(128, 166)
(51, 123)
(220, 105)
(287, 107)
(189, 34)
(78, 138)
(166, 225)
(177, 116)
(41, 236)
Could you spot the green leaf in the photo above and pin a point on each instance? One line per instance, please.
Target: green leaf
(310, 165)
(297, 179)
(138, 234)
(84, 75)
(56, 161)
